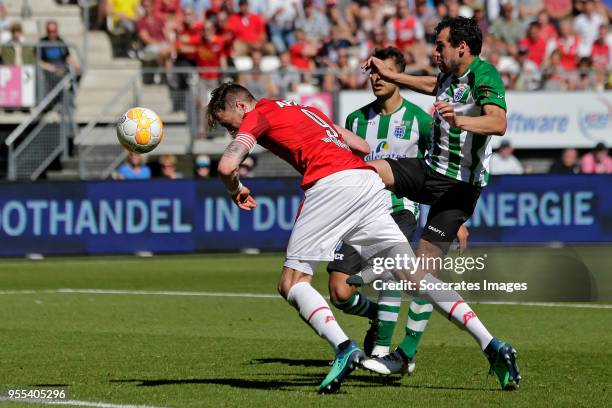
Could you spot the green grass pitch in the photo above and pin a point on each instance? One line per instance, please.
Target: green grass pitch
(194, 351)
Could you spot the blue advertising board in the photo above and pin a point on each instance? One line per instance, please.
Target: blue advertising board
(105, 217)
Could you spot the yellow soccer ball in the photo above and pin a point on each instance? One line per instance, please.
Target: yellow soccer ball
(140, 130)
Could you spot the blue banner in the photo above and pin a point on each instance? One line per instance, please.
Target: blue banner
(184, 215)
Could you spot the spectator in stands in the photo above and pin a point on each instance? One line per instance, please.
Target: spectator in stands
(504, 162)
(600, 52)
(567, 44)
(281, 15)
(245, 170)
(529, 77)
(313, 23)
(285, 79)
(202, 166)
(558, 9)
(547, 28)
(134, 168)
(554, 76)
(597, 161)
(248, 31)
(587, 26)
(535, 43)
(586, 79)
(188, 38)
(198, 6)
(567, 163)
(256, 6)
(167, 166)
(405, 30)
(151, 32)
(258, 82)
(120, 15)
(335, 17)
(302, 52)
(331, 49)
(340, 75)
(211, 59)
(507, 29)
(56, 59)
(15, 52)
(169, 9)
(479, 15)
(530, 8)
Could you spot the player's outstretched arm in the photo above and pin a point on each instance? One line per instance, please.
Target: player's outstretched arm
(357, 144)
(425, 84)
(235, 153)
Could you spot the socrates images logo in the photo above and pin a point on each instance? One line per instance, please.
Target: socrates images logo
(595, 122)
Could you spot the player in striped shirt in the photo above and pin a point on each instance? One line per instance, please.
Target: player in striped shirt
(394, 128)
(470, 109)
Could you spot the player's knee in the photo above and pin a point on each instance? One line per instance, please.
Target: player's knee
(289, 278)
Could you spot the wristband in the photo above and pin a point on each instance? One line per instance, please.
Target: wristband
(237, 190)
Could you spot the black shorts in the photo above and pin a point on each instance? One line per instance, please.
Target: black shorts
(451, 201)
(348, 261)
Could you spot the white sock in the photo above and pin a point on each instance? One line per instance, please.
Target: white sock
(452, 305)
(316, 312)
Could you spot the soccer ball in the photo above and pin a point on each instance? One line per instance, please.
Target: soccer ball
(140, 130)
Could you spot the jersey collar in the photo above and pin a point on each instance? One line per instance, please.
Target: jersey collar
(470, 67)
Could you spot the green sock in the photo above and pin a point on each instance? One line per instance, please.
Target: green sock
(358, 305)
(389, 302)
(418, 316)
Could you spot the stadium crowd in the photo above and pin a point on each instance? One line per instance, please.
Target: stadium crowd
(535, 44)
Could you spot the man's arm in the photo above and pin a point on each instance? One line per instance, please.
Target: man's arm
(422, 84)
(235, 153)
(491, 122)
(358, 145)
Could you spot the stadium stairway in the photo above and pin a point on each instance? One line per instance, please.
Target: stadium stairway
(103, 79)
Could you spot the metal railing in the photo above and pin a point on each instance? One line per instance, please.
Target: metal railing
(29, 156)
(100, 160)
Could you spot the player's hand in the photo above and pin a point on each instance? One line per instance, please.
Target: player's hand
(244, 200)
(447, 112)
(374, 64)
(462, 237)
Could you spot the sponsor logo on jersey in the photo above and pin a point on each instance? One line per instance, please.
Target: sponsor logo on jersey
(381, 146)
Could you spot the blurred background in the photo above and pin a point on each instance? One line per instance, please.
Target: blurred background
(69, 68)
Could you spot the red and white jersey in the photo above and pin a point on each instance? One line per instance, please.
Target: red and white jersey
(406, 32)
(301, 135)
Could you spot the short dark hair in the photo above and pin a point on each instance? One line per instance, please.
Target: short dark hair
(223, 96)
(462, 29)
(391, 53)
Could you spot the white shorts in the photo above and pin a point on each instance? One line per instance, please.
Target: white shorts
(349, 206)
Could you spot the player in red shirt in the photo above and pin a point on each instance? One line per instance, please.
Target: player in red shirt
(345, 201)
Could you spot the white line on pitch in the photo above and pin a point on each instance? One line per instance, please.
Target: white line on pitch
(263, 296)
(74, 403)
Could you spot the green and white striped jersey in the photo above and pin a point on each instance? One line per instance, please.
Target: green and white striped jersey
(403, 133)
(458, 154)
